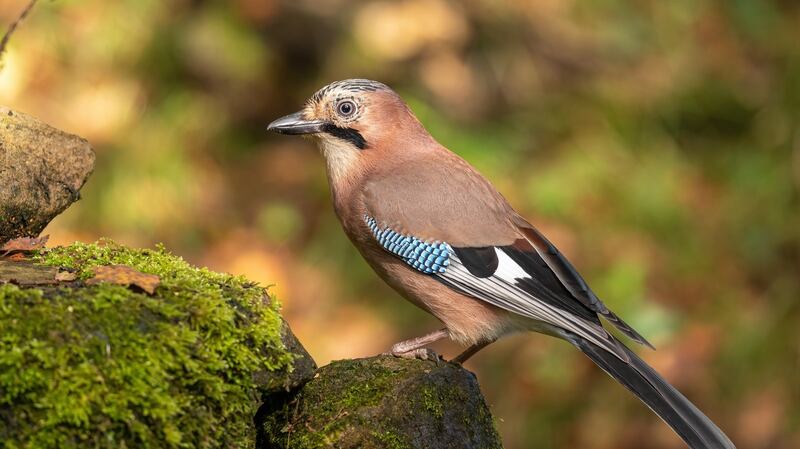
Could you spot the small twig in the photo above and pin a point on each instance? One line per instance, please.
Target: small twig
(13, 28)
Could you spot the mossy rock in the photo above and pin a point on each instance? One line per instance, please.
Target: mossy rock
(381, 402)
(106, 366)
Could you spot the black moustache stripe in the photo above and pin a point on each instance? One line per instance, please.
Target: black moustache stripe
(348, 134)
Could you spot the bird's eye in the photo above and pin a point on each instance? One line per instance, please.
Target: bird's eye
(346, 108)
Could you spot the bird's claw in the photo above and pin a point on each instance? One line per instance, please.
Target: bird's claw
(419, 353)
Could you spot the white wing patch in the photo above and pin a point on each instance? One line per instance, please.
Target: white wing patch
(507, 269)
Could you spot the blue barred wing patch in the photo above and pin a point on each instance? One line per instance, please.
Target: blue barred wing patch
(430, 258)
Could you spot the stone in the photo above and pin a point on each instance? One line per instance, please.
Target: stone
(42, 170)
(380, 402)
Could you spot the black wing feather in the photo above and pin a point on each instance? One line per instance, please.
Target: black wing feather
(480, 262)
(545, 279)
(552, 279)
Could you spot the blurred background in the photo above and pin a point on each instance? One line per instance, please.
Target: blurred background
(656, 143)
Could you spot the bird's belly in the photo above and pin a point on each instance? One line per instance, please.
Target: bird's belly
(467, 319)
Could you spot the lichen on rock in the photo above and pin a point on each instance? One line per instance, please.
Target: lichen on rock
(380, 402)
(106, 366)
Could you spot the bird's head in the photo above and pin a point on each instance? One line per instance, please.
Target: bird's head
(353, 121)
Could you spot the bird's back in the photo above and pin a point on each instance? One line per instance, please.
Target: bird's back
(435, 195)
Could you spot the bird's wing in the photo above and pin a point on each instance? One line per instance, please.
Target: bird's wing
(462, 232)
(495, 275)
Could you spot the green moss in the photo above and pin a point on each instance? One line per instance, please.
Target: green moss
(355, 388)
(106, 367)
(432, 401)
(390, 440)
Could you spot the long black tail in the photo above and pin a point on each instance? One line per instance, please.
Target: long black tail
(688, 422)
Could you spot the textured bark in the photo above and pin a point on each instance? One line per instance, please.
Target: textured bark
(380, 402)
(42, 169)
(26, 273)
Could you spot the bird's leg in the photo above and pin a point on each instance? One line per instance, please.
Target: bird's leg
(469, 352)
(415, 348)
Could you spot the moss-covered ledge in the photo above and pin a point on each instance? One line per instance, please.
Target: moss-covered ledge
(380, 402)
(196, 364)
(106, 366)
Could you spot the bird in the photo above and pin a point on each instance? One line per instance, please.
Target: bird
(440, 234)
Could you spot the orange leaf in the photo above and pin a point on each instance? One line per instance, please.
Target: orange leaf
(125, 275)
(24, 244)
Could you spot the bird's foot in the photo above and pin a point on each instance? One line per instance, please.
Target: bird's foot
(418, 353)
(415, 347)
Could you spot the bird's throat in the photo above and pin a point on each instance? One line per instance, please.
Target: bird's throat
(341, 159)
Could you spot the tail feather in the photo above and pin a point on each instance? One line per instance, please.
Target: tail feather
(695, 428)
(625, 328)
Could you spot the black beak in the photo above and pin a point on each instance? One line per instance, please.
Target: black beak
(296, 124)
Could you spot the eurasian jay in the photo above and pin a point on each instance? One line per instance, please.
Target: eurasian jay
(440, 234)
